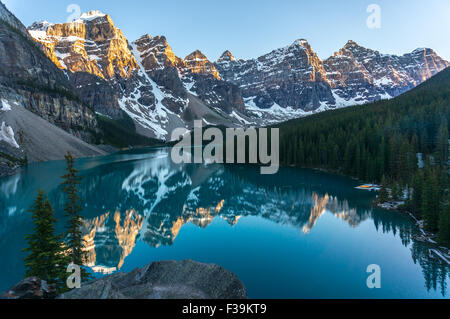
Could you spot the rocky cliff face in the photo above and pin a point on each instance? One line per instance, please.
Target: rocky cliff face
(358, 75)
(29, 80)
(43, 88)
(145, 78)
(97, 58)
(162, 66)
(90, 44)
(198, 63)
(10, 19)
(193, 75)
(295, 81)
(293, 76)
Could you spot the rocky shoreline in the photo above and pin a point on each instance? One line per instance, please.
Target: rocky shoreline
(185, 279)
(424, 236)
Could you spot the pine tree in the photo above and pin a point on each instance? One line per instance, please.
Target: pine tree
(395, 191)
(73, 208)
(383, 195)
(442, 144)
(430, 202)
(444, 223)
(416, 202)
(46, 259)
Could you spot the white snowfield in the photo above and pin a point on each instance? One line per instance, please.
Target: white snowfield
(7, 135)
(4, 106)
(7, 132)
(91, 15)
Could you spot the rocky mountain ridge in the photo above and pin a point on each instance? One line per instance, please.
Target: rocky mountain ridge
(156, 88)
(144, 78)
(358, 75)
(146, 81)
(295, 78)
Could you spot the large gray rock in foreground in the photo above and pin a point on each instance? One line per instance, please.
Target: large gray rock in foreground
(30, 288)
(165, 280)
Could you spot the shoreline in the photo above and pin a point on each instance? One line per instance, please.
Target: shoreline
(437, 251)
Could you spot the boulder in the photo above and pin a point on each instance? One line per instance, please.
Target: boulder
(31, 288)
(165, 280)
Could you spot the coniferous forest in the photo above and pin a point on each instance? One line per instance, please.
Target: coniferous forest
(402, 143)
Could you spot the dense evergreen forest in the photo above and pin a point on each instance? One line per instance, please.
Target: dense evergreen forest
(402, 143)
(122, 133)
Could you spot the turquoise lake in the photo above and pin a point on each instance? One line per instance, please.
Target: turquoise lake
(297, 234)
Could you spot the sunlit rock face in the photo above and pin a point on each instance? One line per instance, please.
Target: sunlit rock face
(161, 64)
(194, 75)
(198, 63)
(90, 44)
(205, 81)
(100, 63)
(156, 53)
(226, 58)
(144, 79)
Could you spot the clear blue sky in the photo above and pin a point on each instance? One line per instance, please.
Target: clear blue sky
(250, 28)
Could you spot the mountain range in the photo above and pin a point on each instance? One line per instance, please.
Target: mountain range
(84, 75)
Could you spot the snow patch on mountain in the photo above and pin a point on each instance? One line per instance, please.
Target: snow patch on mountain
(155, 119)
(5, 106)
(89, 16)
(7, 135)
(239, 118)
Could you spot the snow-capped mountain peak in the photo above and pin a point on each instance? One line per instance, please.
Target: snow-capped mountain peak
(91, 15)
(227, 56)
(198, 63)
(156, 88)
(40, 25)
(301, 42)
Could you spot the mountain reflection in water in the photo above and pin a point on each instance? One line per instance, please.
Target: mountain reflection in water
(145, 198)
(163, 199)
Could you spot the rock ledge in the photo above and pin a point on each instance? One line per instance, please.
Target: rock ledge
(165, 280)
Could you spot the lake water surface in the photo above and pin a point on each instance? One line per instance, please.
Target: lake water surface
(296, 234)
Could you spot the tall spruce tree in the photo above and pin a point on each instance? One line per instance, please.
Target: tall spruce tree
(395, 191)
(442, 144)
(46, 259)
(418, 183)
(444, 222)
(383, 195)
(430, 201)
(72, 209)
